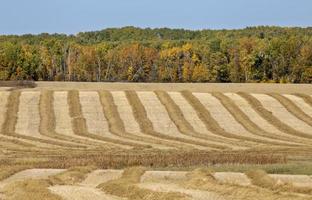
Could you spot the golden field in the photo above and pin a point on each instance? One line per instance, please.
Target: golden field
(155, 141)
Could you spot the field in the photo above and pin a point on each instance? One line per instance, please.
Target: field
(155, 141)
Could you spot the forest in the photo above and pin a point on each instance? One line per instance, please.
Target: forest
(130, 54)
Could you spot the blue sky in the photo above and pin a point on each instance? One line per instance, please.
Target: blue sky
(73, 16)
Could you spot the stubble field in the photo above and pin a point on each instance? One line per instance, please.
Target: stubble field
(156, 141)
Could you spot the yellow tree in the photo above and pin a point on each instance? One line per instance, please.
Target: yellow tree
(200, 73)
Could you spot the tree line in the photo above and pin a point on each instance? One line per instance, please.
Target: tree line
(253, 54)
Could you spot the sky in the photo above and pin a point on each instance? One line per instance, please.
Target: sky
(73, 16)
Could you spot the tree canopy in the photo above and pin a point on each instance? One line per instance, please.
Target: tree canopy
(253, 54)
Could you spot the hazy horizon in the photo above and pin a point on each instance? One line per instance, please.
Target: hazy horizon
(74, 16)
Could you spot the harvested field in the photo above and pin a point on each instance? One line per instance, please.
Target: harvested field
(126, 184)
(193, 87)
(98, 122)
(3, 102)
(30, 174)
(226, 120)
(261, 122)
(62, 117)
(161, 120)
(69, 192)
(132, 127)
(150, 141)
(82, 112)
(300, 103)
(292, 108)
(282, 113)
(30, 126)
(95, 120)
(29, 106)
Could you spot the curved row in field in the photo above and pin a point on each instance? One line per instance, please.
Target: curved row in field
(279, 111)
(261, 122)
(160, 120)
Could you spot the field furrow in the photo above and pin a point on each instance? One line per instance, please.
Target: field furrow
(161, 120)
(3, 123)
(274, 120)
(98, 116)
(47, 120)
(292, 108)
(116, 125)
(198, 125)
(88, 119)
(130, 124)
(248, 124)
(189, 113)
(279, 111)
(146, 125)
(225, 120)
(30, 126)
(301, 104)
(12, 117)
(261, 121)
(63, 123)
(211, 124)
(176, 115)
(305, 97)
